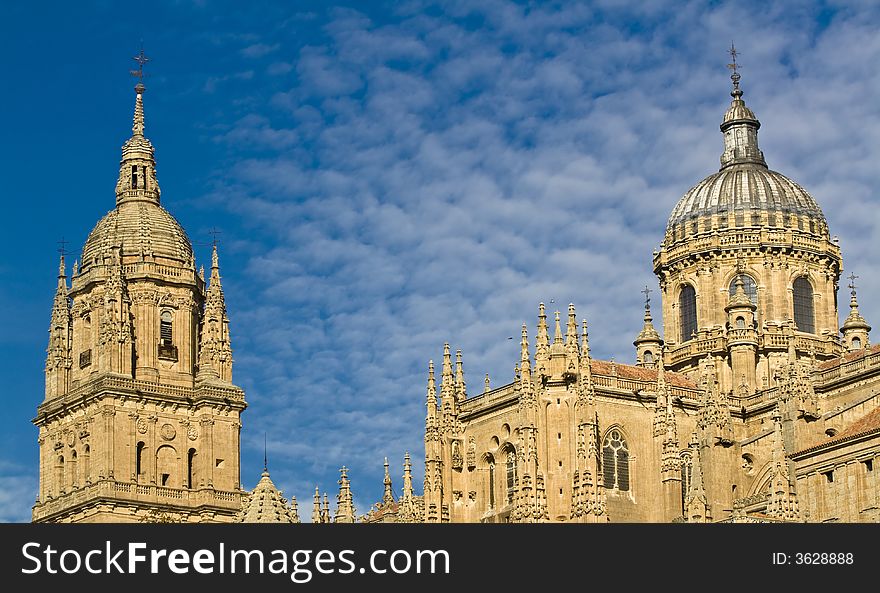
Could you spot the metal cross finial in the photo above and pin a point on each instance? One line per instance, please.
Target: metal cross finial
(265, 453)
(63, 247)
(733, 53)
(214, 232)
(852, 282)
(141, 59)
(734, 66)
(647, 293)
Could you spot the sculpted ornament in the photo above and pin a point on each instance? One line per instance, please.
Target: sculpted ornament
(167, 431)
(192, 432)
(141, 426)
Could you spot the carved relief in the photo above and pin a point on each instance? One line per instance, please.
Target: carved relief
(141, 426)
(456, 455)
(168, 432)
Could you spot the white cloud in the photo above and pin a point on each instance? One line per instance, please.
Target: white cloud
(449, 176)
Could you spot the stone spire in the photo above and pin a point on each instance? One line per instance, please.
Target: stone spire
(388, 496)
(344, 503)
(585, 374)
(783, 503)
(855, 329)
(460, 386)
(648, 343)
(316, 509)
(58, 356)
(572, 356)
(487, 386)
(215, 351)
(663, 397)
(542, 344)
(406, 505)
(696, 502)
(325, 512)
(447, 385)
(137, 169)
(557, 351)
(740, 127)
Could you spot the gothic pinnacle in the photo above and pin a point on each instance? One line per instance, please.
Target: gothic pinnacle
(557, 336)
(460, 385)
(388, 496)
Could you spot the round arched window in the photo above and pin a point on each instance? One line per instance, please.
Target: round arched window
(749, 287)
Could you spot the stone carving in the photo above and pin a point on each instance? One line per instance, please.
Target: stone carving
(168, 432)
(141, 426)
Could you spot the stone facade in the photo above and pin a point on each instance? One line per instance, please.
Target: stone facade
(751, 408)
(140, 418)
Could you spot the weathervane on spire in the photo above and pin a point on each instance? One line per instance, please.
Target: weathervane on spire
(141, 59)
(852, 282)
(63, 245)
(734, 66)
(647, 292)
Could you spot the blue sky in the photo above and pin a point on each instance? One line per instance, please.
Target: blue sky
(390, 176)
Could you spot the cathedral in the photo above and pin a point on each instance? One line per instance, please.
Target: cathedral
(754, 405)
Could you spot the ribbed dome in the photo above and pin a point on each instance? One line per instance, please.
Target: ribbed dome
(753, 190)
(744, 186)
(142, 228)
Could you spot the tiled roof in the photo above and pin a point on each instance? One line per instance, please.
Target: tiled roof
(849, 357)
(867, 424)
(628, 371)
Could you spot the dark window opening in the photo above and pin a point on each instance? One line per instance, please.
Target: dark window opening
(829, 476)
(139, 459)
(134, 177)
(687, 303)
(869, 465)
(615, 461)
(511, 475)
(749, 287)
(165, 479)
(803, 305)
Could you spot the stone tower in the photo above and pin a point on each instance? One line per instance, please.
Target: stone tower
(140, 416)
(747, 262)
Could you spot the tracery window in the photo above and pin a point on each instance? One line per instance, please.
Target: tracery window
(749, 287)
(804, 317)
(615, 461)
(687, 304)
(511, 474)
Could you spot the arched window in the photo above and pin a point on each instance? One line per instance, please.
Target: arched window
(139, 460)
(856, 344)
(191, 469)
(740, 323)
(687, 305)
(511, 474)
(749, 287)
(491, 463)
(649, 357)
(71, 475)
(166, 467)
(87, 478)
(165, 328)
(687, 466)
(803, 305)
(59, 473)
(615, 461)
